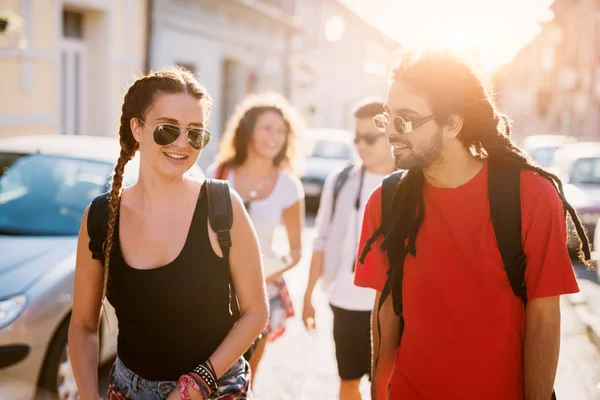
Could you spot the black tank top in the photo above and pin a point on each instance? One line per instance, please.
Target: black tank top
(171, 318)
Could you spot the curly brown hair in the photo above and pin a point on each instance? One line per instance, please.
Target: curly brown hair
(138, 100)
(233, 150)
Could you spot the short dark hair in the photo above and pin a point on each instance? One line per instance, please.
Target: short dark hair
(368, 107)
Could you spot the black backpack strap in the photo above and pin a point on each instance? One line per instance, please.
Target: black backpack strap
(340, 181)
(97, 225)
(504, 190)
(220, 217)
(388, 188)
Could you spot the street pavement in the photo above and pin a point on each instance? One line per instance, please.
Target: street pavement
(301, 365)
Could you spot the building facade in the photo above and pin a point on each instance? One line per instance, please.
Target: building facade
(338, 59)
(235, 47)
(553, 85)
(70, 75)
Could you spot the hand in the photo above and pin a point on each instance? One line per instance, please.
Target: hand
(174, 395)
(308, 316)
(194, 394)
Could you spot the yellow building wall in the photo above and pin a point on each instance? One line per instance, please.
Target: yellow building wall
(46, 25)
(41, 99)
(38, 110)
(28, 130)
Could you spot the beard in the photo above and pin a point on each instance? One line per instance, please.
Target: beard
(420, 157)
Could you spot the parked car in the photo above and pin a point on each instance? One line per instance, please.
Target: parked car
(578, 166)
(541, 148)
(325, 150)
(46, 183)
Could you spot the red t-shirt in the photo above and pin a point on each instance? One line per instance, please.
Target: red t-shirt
(463, 337)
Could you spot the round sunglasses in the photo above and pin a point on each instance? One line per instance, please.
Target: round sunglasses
(165, 134)
(400, 125)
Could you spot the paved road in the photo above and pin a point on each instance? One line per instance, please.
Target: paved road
(302, 365)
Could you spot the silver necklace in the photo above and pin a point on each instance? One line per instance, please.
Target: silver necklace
(253, 193)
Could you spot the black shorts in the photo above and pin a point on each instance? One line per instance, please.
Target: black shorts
(352, 336)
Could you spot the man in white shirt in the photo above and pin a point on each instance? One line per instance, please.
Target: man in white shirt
(340, 214)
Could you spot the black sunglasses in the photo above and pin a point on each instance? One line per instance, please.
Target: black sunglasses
(369, 139)
(400, 125)
(165, 134)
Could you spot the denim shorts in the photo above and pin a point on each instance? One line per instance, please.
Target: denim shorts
(233, 385)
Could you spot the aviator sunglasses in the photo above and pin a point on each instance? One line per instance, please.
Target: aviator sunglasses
(165, 134)
(400, 125)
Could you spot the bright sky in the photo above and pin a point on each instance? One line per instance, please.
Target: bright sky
(495, 30)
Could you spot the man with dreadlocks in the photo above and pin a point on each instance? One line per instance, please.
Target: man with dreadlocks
(453, 326)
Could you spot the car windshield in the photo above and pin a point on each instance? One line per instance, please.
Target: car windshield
(586, 170)
(47, 195)
(331, 149)
(544, 155)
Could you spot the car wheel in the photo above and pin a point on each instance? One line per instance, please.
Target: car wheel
(57, 374)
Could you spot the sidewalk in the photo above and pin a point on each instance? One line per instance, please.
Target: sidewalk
(579, 361)
(301, 365)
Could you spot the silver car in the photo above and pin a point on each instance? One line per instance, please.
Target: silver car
(324, 150)
(46, 182)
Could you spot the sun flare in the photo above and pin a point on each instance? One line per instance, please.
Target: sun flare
(489, 32)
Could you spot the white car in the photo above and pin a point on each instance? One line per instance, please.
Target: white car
(46, 183)
(542, 148)
(326, 150)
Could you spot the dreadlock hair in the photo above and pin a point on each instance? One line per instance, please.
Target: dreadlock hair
(138, 100)
(453, 88)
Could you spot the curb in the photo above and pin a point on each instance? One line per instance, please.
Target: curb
(592, 323)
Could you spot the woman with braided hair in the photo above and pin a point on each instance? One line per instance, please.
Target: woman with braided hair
(162, 267)
(464, 333)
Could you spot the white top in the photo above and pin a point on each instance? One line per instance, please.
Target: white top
(266, 214)
(344, 228)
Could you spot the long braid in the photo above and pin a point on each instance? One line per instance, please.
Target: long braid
(128, 148)
(115, 199)
(136, 102)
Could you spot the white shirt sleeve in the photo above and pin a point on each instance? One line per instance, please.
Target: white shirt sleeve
(293, 190)
(323, 220)
(211, 170)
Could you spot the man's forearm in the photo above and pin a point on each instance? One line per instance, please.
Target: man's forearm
(540, 349)
(385, 343)
(316, 270)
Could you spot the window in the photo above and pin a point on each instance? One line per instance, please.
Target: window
(72, 24)
(45, 195)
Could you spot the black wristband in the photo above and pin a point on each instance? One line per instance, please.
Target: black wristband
(209, 377)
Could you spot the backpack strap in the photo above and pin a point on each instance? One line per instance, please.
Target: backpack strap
(504, 191)
(340, 180)
(388, 188)
(220, 218)
(97, 225)
(222, 171)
